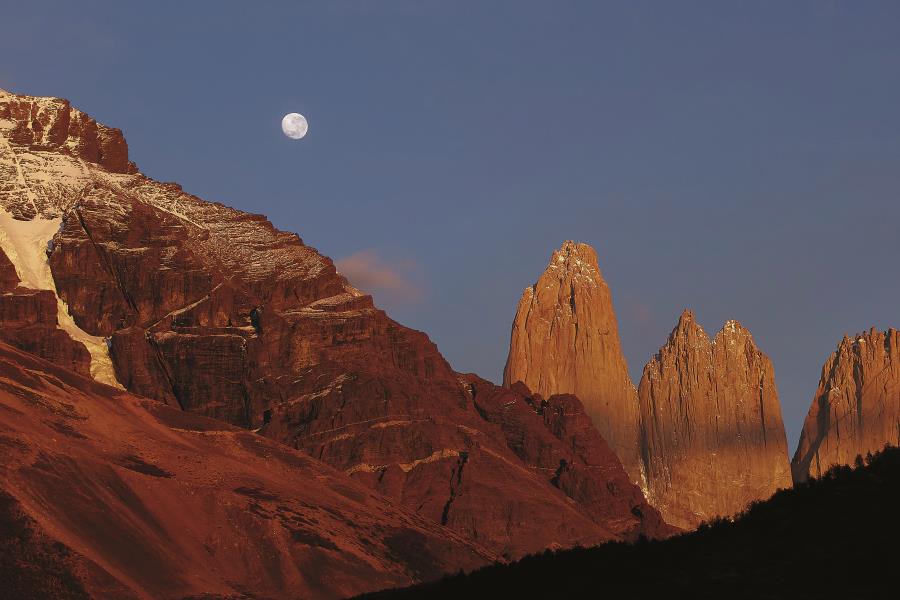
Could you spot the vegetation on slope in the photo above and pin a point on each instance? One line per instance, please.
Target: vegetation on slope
(832, 537)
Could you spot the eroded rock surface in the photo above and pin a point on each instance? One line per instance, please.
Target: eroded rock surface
(702, 436)
(28, 320)
(711, 431)
(565, 340)
(856, 408)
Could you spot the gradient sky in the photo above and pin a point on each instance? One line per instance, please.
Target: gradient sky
(738, 158)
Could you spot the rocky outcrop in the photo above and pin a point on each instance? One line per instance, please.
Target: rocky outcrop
(28, 320)
(565, 340)
(554, 436)
(53, 124)
(856, 408)
(216, 312)
(712, 437)
(141, 500)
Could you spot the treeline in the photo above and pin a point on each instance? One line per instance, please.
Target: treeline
(836, 536)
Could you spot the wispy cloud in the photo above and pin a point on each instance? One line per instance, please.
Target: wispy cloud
(641, 313)
(392, 281)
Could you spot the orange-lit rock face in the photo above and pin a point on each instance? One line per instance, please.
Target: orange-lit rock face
(215, 311)
(856, 408)
(565, 340)
(712, 435)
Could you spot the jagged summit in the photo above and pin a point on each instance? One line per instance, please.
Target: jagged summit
(48, 150)
(576, 258)
(856, 408)
(687, 324)
(565, 340)
(712, 438)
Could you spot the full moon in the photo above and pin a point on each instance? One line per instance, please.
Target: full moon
(294, 125)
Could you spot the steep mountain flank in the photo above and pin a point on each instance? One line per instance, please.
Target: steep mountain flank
(556, 437)
(216, 312)
(128, 498)
(711, 431)
(856, 408)
(565, 340)
(777, 549)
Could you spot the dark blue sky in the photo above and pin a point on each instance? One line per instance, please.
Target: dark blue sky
(741, 159)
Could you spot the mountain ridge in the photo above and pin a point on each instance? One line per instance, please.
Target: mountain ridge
(214, 311)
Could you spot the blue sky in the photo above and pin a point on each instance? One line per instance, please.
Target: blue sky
(740, 159)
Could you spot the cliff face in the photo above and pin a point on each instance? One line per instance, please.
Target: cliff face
(711, 430)
(703, 435)
(28, 320)
(554, 436)
(856, 408)
(565, 340)
(216, 312)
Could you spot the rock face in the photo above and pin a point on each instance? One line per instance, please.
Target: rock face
(711, 431)
(28, 320)
(555, 436)
(703, 435)
(856, 409)
(146, 501)
(565, 340)
(214, 311)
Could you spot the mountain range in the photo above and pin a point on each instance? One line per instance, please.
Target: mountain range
(194, 403)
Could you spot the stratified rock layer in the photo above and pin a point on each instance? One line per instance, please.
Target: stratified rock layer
(711, 431)
(565, 340)
(554, 436)
(28, 320)
(856, 409)
(216, 312)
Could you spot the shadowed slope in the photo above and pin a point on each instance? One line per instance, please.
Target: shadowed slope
(149, 501)
(831, 538)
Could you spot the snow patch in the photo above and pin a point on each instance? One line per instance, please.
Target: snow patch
(26, 244)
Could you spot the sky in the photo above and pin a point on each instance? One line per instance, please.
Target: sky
(741, 159)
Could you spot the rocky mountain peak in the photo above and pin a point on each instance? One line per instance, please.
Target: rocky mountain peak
(687, 328)
(576, 259)
(856, 407)
(712, 438)
(565, 340)
(43, 123)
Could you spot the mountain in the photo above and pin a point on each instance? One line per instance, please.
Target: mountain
(711, 431)
(213, 311)
(107, 495)
(703, 435)
(829, 538)
(565, 340)
(856, 408)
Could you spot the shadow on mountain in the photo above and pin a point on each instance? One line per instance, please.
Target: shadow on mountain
(835, 536)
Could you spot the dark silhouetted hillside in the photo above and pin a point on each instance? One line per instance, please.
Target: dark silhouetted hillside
(833, 537)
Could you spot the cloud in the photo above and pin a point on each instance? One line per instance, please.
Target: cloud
(390, 281)
(641, 313)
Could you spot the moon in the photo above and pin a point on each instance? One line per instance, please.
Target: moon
(294, 125)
